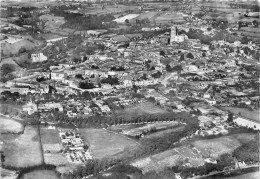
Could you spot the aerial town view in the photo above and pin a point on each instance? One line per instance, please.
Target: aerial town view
(130, 89)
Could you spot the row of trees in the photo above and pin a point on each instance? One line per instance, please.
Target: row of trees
(122, 118)
(102, 121)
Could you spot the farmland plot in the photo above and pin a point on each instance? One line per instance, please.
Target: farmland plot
(41, 174)
(22, 150)
(50, 140)
(8, 125)
(52, 148)
(169, 158)
(213, 148)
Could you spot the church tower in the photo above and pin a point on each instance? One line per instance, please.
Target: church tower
(173, 34)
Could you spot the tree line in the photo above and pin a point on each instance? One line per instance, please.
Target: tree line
(91, 167)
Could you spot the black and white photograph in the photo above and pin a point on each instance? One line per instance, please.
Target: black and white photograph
(130, 89)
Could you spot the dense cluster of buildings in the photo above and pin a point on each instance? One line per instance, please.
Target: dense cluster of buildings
(76, 150)
(161, 67)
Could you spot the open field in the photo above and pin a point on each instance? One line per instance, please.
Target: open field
(193, 153)
(51, 144)
(140, 109)
(254, 115)
(57, 159)
(41, 174)
(32, 3)
(11, 40)
(121, 128)
(247, 123)
(108, 9)
(8, 125)
(169, 158)
(104, 143)
(50, 36)
(6, 108)
(215, 147)
(22, 150)
(129, 17)
(50, 139)
(169, 17)
(52, 21)
(13, 48)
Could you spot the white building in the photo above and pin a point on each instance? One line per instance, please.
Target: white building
(38, 57)
(30, 108)
(59, 76)
(175, 37)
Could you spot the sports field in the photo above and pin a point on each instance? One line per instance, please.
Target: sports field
(22, 150)
(104, 143)
(8, 125)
